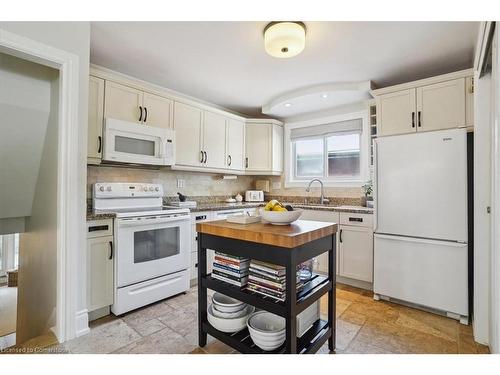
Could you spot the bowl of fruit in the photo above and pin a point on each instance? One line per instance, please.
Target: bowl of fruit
(278, 214)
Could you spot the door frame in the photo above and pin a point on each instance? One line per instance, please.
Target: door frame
(69, 164)
(495, 189)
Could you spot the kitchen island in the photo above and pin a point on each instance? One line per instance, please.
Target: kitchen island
(288, 246)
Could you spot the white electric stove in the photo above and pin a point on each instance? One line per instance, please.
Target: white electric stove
(152, 243)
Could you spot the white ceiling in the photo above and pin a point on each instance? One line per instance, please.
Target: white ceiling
(225, 62)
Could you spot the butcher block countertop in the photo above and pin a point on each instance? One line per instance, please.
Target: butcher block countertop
(289, 236)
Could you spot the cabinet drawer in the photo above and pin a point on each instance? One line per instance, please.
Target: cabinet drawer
(99, 228)
(359, 220)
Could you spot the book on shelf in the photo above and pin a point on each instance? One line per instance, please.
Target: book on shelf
(233, 263)
(229, 281)
(242, 279)
(235, 257)
(267, 276)
(272, 269)
(267, 283)
(229, 270)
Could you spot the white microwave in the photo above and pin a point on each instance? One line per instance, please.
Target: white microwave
(128, 142)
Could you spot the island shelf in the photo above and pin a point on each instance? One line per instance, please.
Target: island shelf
(287, 246)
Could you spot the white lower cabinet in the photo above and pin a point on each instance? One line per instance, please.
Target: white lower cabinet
(199, 217)
(355, 244)
(354, 250)
(356, 253)
(100, 273)
(321, 262)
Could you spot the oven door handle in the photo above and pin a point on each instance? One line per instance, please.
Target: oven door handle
(153, 220)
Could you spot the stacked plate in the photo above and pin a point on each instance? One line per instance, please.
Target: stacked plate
(228, 314)
(267, 330)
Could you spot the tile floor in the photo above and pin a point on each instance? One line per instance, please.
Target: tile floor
(363, 326)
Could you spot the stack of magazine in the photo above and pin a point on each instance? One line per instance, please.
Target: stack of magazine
(231, 269)
(268, 280)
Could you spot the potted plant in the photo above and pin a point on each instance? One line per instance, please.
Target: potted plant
(367, 200)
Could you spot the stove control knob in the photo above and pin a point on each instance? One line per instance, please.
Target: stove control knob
(101, 188)
(151, 188)
(145, 188)
(157, 188)
(108, 188)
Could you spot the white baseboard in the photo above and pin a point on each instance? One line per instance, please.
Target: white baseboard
(82, 323)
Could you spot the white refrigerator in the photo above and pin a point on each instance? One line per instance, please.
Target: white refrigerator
(420, 244)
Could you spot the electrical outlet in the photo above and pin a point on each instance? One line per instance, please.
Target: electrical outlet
(181, 183)
(277, 185)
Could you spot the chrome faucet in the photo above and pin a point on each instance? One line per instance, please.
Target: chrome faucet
(322, 199)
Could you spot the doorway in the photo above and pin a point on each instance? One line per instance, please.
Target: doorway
(53, 242)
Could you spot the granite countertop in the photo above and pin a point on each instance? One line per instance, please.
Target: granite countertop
(91, 215)
(220, 206)
(229, 206)
(214, 206)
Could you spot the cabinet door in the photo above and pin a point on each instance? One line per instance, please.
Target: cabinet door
(258, 146)
(214, 140)
(187, 125)
(321, 263)
(122, 102)
(356, 253)
(158, 111)
(277, 148)
(95, 120)
(441, 106)
(396, 113)
(100, 272)
(235, 144)
(469, 101)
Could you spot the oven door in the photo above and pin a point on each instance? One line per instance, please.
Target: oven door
(127, 142)
(149, 247)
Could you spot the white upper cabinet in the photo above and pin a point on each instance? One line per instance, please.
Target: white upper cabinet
(235, 144)
(214, 140)
(187, 126)
(130, 104)
(157, 111)
(396, 113)
(437, 103)
(207, 139)
(263, 147)
(95, 120)
(441, 105)
(123, 102)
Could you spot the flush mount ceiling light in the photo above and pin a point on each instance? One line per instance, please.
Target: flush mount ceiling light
(285, 39)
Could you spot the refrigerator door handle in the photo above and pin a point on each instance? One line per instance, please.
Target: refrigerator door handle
(429, 241)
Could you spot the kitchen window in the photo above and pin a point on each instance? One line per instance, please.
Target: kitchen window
(332, 152)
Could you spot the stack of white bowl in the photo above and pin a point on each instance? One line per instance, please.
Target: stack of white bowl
(267, 330)
(228, 314)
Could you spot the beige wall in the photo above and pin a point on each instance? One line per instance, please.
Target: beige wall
(197, 184)
(37, 288)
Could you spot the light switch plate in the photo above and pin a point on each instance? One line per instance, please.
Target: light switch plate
(181, 183)
(277, 185)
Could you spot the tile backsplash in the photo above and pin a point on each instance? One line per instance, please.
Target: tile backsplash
(196, 183)
(211, 185)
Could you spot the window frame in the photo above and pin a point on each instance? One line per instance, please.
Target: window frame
(291, 180)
